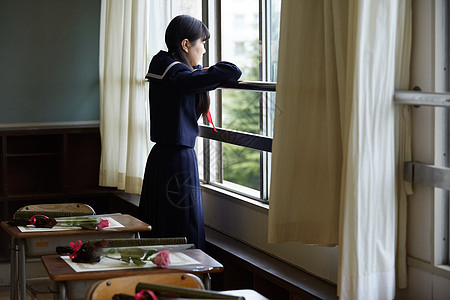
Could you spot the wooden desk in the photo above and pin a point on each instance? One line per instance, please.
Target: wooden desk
(58, 270)
(18, 246)
(246, 293)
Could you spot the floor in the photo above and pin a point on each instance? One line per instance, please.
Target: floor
(4, 294)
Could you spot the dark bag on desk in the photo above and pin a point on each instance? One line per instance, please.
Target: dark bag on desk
(123, 297)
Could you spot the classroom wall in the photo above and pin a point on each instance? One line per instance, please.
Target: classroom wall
(49, 61)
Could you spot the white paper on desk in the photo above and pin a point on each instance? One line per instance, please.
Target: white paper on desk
(31, 228)
(105, 264)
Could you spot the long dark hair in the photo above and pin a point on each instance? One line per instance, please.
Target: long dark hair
(186, 27)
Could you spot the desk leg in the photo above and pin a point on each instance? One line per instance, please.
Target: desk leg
(13, 269)
(61, 290)
(22, 270)
(207, 281)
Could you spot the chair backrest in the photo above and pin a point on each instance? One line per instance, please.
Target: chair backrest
(112, 243)
(54, 210)
(187, 293)
(106, 289)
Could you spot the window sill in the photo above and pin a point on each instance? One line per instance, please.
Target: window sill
(229, 195)
(271, 273)
(439, 270)
(133, 199)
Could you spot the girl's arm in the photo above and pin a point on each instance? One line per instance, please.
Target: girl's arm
(202, 80)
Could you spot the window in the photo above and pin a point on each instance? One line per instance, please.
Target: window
(246, 33)
(428, 243)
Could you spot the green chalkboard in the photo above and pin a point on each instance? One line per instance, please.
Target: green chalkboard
(49, 61)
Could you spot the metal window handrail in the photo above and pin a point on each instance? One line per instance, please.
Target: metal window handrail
(240, 138)
(400, 97)
(416, 172)
(421, 98)
(259, 86)
(425, 174)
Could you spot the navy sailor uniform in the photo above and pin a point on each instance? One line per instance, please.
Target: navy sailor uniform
(171, 196)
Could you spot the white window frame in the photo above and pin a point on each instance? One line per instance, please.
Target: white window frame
(436, 174)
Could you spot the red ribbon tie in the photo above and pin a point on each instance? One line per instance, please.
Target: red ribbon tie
(33, 219)
(140, 295)
(75, 247)
(209, 118)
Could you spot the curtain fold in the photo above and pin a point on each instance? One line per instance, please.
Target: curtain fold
(307, 155)
(124, 114)
(368, 200)
(339, 64)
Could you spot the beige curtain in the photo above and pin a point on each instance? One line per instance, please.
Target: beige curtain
(124, 114)
(335, 137)
(307, 150)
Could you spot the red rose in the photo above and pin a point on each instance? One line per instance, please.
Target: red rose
(103, 224)
(162, 259)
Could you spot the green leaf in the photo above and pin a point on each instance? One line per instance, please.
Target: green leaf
(135, 255)
(125, 258)
(132, 252)
(149, 253)
(138, 261)
(90, 225)
(84, 223)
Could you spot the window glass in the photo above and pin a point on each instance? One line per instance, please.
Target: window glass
(241, 165)
(241, 110)
(274, 36)
(240, 35)
(187, 7)
(240, 43)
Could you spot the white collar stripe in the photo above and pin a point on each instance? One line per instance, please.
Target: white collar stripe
(165, 72)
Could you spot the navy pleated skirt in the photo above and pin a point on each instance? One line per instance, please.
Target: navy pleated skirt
(171, 197)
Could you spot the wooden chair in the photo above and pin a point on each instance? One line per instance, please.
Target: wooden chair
(55, 210)
(106, 289)
(37, 286)
(113, 243)
(177, 292)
